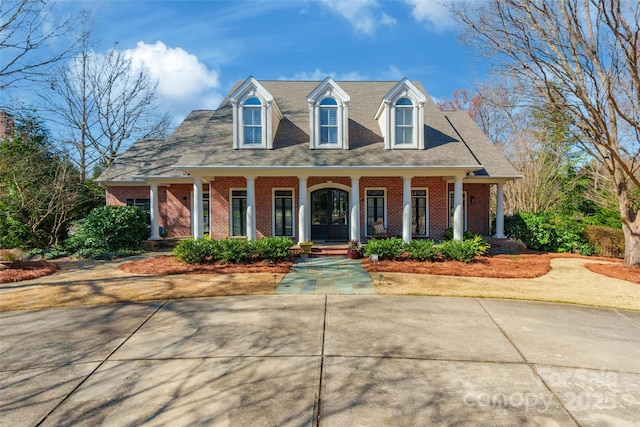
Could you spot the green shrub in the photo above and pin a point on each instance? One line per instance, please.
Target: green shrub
(385, 248)
(422, 250)
(194, 251)
(458, 250)
(235, 250)
(13, 233)
(48, 253)
(550, 232)
(607, 241)
(110, 228)
(272, 248)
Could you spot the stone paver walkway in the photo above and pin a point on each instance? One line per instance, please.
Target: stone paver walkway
(327, 275)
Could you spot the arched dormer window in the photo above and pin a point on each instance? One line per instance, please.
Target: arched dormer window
(255, 116)
(401, 116)
(404, 122)
(328, 121)
(252, 121)
(328, 116)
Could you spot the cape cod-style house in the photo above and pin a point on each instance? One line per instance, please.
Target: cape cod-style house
(316, 161)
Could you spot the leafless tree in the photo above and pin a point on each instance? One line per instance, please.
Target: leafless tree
(582, 58)
(104, 102)
(32, 40)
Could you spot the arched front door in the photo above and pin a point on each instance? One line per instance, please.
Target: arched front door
(329, 212)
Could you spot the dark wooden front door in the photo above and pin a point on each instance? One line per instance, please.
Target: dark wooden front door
(329, 212)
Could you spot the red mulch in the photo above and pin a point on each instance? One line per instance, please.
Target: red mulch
(623, 272)
(168, 264)
(498, 266)
(25, 270)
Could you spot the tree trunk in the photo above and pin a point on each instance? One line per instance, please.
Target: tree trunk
(632, 243)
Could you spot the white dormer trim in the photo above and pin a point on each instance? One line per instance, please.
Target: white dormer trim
(386, 115)
(270, 114)
(329, 89)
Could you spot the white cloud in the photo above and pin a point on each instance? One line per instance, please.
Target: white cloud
(184, 83)
(361, 14)
(433, 13)
(318, 74)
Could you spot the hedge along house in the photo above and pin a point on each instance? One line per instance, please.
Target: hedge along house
(316, 161)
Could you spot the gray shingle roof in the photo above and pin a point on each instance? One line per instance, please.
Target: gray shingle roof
(205, 139)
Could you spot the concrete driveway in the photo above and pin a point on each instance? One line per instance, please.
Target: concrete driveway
(321, 360)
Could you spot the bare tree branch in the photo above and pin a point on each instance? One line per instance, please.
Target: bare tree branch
(32, 40)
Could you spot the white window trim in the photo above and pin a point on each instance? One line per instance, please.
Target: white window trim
(386, 115)
(231, 190)
(427, 210)
(366, 211)
(270, 117)
(450, 196)
(273, 209)
(329, 89)
(414, 125)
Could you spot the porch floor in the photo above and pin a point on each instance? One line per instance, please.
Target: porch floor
(327, 275)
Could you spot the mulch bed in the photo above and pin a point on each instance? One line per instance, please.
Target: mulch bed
(25, 270)
(623, 272)
(168, 264)
(498, 266)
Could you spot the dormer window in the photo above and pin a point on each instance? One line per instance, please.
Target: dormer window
(328, 116)
(328, 121)
(401, 117)
(404, 122)
(256, 116)
(252, 121)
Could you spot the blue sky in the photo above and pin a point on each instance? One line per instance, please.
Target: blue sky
(199, 49)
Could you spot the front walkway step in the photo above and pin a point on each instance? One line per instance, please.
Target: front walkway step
(327, 275)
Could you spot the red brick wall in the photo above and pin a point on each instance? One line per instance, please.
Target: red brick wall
(477, 207)
(174, 203)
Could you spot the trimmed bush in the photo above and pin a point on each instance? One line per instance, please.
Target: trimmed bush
(458, 250)
(235, 250)
(194, 251)
(548, 232)
(422, 250)
(385, 248)
(607, 241)
(272, 248)
(110, 229)
(203, 250)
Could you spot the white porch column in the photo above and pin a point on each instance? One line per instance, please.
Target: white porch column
(355, 209)
(406, 209)
(153, 201)
(251, 207)
(458, 214)
(500, 211)
(198, 229)
(302, 209)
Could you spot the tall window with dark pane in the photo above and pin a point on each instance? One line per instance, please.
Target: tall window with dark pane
(283, 213)
(419, 212)
(238, 212)
(375, 208)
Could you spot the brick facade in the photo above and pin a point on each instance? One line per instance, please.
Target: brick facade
(174, 202)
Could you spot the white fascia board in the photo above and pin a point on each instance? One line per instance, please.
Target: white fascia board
(329, 170)
(164, 179)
